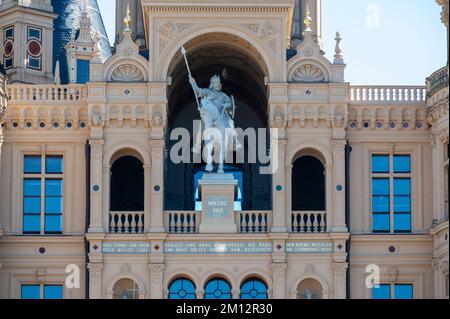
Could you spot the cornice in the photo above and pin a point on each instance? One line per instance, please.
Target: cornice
(218, 5)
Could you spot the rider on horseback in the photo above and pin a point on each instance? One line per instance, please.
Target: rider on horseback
(216, 105)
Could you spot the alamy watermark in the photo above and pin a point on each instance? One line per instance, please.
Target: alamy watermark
(261, 146)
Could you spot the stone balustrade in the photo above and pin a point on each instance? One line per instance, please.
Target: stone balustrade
(254, 222)
(437, 81)
(182, 222)
(388, 95)
(309, 222)
(24, 93)
(126, 222)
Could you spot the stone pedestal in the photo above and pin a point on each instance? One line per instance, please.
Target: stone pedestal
(218, 193)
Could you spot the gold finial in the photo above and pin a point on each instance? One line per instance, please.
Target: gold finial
(308, 20)
(127, 20)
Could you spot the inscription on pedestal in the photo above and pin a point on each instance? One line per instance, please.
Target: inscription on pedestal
(217, 207)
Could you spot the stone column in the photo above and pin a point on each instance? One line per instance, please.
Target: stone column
(147, 196)
(340, 275)
(339, 224)
(280, 220)
(279, 280)
(156, 275)
(199, 294)
(96, 189)
(288, 202)
(95, 280)
(106, 195)
(157, 186)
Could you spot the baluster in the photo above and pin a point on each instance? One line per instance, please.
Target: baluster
(323, 225)
(308, 222)
(370, 93)
(302, 223)
(140, 224)
(172, 224)
(358, 94)
(127, 223)
(263, 223)
(111, 223)
(315, 223)
(178, 224)
(184, 224)
(133, 223)
(191, 225)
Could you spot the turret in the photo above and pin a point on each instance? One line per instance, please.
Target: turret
(26, 34)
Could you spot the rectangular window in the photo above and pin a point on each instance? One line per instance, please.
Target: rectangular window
(34, 48)
(381, 292)
(8, 47)
(36, 292)
(43, 194)
(82, 71)
(391, 193)
(393, 291)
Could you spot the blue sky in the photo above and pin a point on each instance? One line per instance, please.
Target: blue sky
(389, 42)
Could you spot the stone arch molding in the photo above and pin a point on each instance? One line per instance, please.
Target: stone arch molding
(308, 71)
(125, 275)
(137, 147)
(313, 275)
(261, 44)
(126, 65)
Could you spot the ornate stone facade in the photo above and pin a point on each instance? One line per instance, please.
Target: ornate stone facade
(127, 112)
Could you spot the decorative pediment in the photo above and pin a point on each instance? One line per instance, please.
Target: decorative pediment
(127, 73)
(126, 65)
(309, 65)
(309, 72)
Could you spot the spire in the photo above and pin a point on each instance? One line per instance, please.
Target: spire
(308, 20)
(127, 20)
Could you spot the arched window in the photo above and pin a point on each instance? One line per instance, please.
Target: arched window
(254, 288)
(238, 175)
(125, 289)
(310, 289)
(127, 185)
(182, 288)
(308, 185)
(217, 289)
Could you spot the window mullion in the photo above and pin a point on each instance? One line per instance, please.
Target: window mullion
(391, 193)
(43, 168)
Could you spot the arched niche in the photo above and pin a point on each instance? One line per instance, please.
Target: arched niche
(243, 74)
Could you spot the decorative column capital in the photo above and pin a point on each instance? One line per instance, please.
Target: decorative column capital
(96, 147)
(278, 270)
(156, 146)
(340, 269)
(156, 272)
(95, 270)
(199, 294)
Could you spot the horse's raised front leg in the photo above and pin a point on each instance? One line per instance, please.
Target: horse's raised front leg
(209, 156)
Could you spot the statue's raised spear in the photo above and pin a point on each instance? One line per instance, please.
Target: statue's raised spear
(183, 51)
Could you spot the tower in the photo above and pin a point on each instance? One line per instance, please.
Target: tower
(298, 27)
(137, 23)
(73, 16)
(26, 35)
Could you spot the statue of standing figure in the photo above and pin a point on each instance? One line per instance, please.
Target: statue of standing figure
(217, 111)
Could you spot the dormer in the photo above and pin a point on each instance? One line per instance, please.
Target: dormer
(80, 52)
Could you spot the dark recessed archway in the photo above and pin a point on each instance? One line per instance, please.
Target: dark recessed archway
(308, 185)
(127, 185)
(243, 73)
